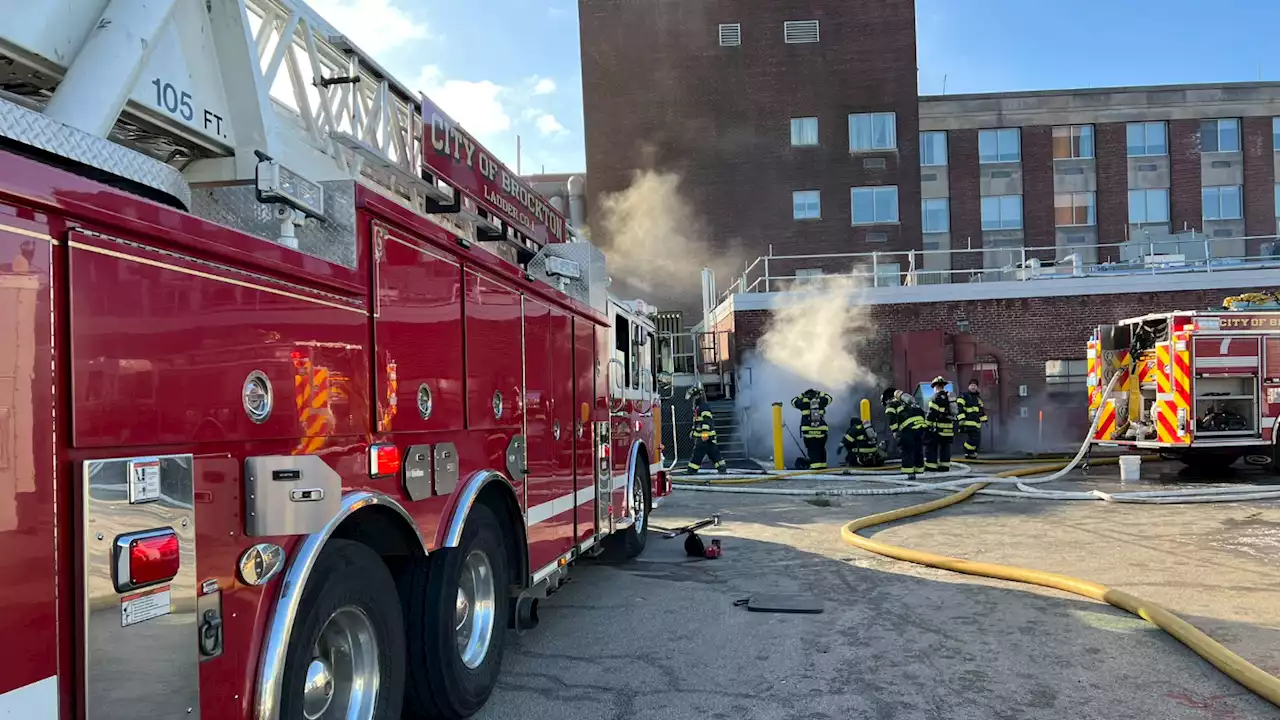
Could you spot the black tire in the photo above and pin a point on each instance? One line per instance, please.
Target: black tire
(348, 574)
(440, 685)
(628, 543)
(1210, 460)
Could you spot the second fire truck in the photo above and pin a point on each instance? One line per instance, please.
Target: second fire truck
(303, 401)
(1201, 386)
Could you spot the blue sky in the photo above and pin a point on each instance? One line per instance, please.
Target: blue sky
(511, 67)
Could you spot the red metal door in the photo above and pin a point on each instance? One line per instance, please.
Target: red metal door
(419, 334)
(28, 604)
(552, 500)
(585, 379)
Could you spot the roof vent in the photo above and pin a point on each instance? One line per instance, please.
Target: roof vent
(800, 31)
(730, 35)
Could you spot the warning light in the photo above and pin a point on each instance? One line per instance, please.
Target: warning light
(384, 460)
(146, 558)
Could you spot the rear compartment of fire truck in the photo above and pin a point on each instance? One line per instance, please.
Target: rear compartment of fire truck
(1190, 385)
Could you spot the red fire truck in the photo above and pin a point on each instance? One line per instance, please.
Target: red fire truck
(303, 401)
(1203, 387)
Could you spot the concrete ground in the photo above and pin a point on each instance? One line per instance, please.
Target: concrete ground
(660, 637)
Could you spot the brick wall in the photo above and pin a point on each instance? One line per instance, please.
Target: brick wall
(966, 205)
(1113, 186)
(1028, 331)
(1259, 180)
(659, 92)
(1184, 175)
(1037, 186)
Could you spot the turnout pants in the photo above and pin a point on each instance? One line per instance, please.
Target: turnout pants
(705, 449)
(972, 440)
(911, 444)
(816, 450)
(937, 451)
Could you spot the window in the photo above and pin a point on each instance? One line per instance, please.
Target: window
(1221, 202)
(622, 348)
(804, 131)
(1220, 135)
(730, 35)
(933, 148)
(1278, 201)
(1072, 141)
(1002, 212)
(808, 276)
(1146, 139)
(1275, 134)
(873, 131)
(1073, 209)
(888, 274)
(873, 205)
(800, 31)
(1003, 145)
(1148, 206)
(1066, 372)
(806, 204)
(936, 217)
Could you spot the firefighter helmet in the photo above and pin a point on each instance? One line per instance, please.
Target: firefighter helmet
(938, 381)
(887, 395)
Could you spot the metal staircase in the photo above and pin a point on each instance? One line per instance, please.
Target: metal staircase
(729, 429)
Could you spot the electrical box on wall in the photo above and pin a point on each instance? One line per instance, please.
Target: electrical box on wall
(1022, 391)
(1024, 412)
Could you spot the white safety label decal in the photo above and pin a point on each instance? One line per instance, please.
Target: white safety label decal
(144, 480)
(145, 605)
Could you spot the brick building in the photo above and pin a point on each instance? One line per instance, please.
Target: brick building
(797, 127)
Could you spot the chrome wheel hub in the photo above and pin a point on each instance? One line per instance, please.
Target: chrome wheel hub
(317, 689)
(637, 509)
(342, 679)
(474, 609)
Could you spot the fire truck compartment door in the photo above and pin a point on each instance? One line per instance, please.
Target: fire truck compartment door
(289, 495)
(141, 646)
(1227, 355)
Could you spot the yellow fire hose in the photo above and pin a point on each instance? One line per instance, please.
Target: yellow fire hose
(1265, 685)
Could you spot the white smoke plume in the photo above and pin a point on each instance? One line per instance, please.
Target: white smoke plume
(656, 242)
(812, 340)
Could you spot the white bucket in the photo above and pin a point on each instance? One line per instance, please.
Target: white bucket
(1130, 468)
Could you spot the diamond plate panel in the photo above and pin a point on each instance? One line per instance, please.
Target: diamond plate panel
(31, 128)
(334, 239)
(592, 287)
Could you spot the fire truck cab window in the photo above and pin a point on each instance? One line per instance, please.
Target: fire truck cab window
(622, 349)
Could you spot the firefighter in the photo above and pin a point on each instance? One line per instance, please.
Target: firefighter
(971, 416)
(860, 446)
(906, 422)
(704, 443)
(941, 429)
(813, 430)
(812, 405)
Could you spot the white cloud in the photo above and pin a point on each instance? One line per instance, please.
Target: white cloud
(543, 86)
(375, 25)
(547, 124)
(477, 106)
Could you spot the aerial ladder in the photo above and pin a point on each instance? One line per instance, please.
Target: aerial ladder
(218, 105)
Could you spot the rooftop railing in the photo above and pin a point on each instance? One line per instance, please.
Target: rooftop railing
(1182, 253)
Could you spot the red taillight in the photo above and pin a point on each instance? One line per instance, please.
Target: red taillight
(146, 559)
(384, 460)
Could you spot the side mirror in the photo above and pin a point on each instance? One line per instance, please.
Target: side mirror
(666, 360)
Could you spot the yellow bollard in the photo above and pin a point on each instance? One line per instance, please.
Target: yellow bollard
(864, 410)
(779, 463)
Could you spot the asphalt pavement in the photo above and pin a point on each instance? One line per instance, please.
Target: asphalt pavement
(660, 637)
